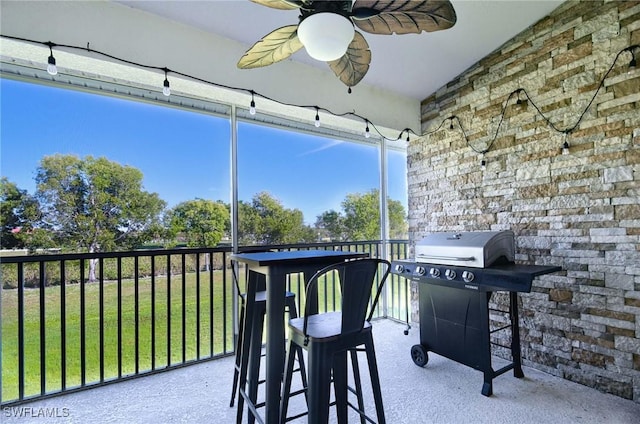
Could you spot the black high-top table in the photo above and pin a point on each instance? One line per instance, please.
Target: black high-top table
(274, 267)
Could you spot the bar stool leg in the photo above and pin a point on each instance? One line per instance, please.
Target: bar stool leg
(286, 384)
(375, 379)
(320, 377)
(238, 362)
(340, 385)
(250, 365)
(293, 313)
(244, 347)
(255, 352)
(303, 373)
(357, 383)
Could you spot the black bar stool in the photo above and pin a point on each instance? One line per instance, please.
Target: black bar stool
(327, 337)
(249, 344)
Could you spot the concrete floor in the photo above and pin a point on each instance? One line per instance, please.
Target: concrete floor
(441, 392)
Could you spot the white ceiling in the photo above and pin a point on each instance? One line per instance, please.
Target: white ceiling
(412, 65)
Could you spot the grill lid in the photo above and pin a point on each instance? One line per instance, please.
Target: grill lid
(477, 249)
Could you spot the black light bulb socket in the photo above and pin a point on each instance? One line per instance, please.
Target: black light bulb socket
(483, 162)
(565, 145)
(317, 116)
(51, 61)
(632, 64)
(166, 82)
(252, 104)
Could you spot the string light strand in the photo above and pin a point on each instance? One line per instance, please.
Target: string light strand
(166, 70)
(567, 131)
(52, 69)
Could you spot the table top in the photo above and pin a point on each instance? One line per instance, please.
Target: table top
(295, 257)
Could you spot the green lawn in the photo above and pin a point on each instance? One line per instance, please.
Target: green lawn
(146, 324)
(211, 342)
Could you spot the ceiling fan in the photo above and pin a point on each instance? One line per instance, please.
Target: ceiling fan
(326, 30)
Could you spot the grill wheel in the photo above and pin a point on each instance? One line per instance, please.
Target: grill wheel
(419, 355)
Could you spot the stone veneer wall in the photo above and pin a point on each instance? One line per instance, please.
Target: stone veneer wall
(580, 211)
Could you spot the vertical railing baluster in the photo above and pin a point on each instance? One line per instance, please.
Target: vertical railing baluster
(396, 281)
(63, 327)
(326, 297)
(184, 307)
(136, 307)
(153, 312)
(401, 282)
(299, 294)
(101, 316)
(211, 291)
(168, 310)
(407, 298)
(83, 332)
(119, 276)
(393, 286)
(225, 308)
(43, 346)
(197, 306)
(21, 318)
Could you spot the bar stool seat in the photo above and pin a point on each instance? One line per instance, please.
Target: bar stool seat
(328, 337)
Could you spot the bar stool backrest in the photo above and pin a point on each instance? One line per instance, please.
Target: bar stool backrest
(356, 281)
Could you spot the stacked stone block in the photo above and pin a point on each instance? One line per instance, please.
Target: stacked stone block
(580, 211)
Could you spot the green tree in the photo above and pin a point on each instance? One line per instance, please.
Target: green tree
(17, 213)
(266, 221)
(398, 225)
(360, 218)
(331, 224)
(94, 204)
(199, 222)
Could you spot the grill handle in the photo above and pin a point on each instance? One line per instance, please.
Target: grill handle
(447, 258)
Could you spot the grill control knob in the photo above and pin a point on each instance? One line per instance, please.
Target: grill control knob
(468, 276)
(434, 272)
(399, 268)
(450, 274)
(420, 270)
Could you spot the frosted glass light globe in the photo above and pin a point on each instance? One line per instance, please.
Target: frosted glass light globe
(326, 35)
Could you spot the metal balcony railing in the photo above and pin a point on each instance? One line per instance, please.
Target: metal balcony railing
(142, 312)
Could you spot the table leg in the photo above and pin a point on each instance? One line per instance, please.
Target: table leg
(275, 351)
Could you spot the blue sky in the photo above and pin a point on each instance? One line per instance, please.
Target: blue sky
(184, 155)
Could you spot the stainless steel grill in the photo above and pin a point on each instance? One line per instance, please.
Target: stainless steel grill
(478, 249)
(456, 275)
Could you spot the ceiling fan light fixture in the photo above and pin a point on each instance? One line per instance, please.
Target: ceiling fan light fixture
(326, 35)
